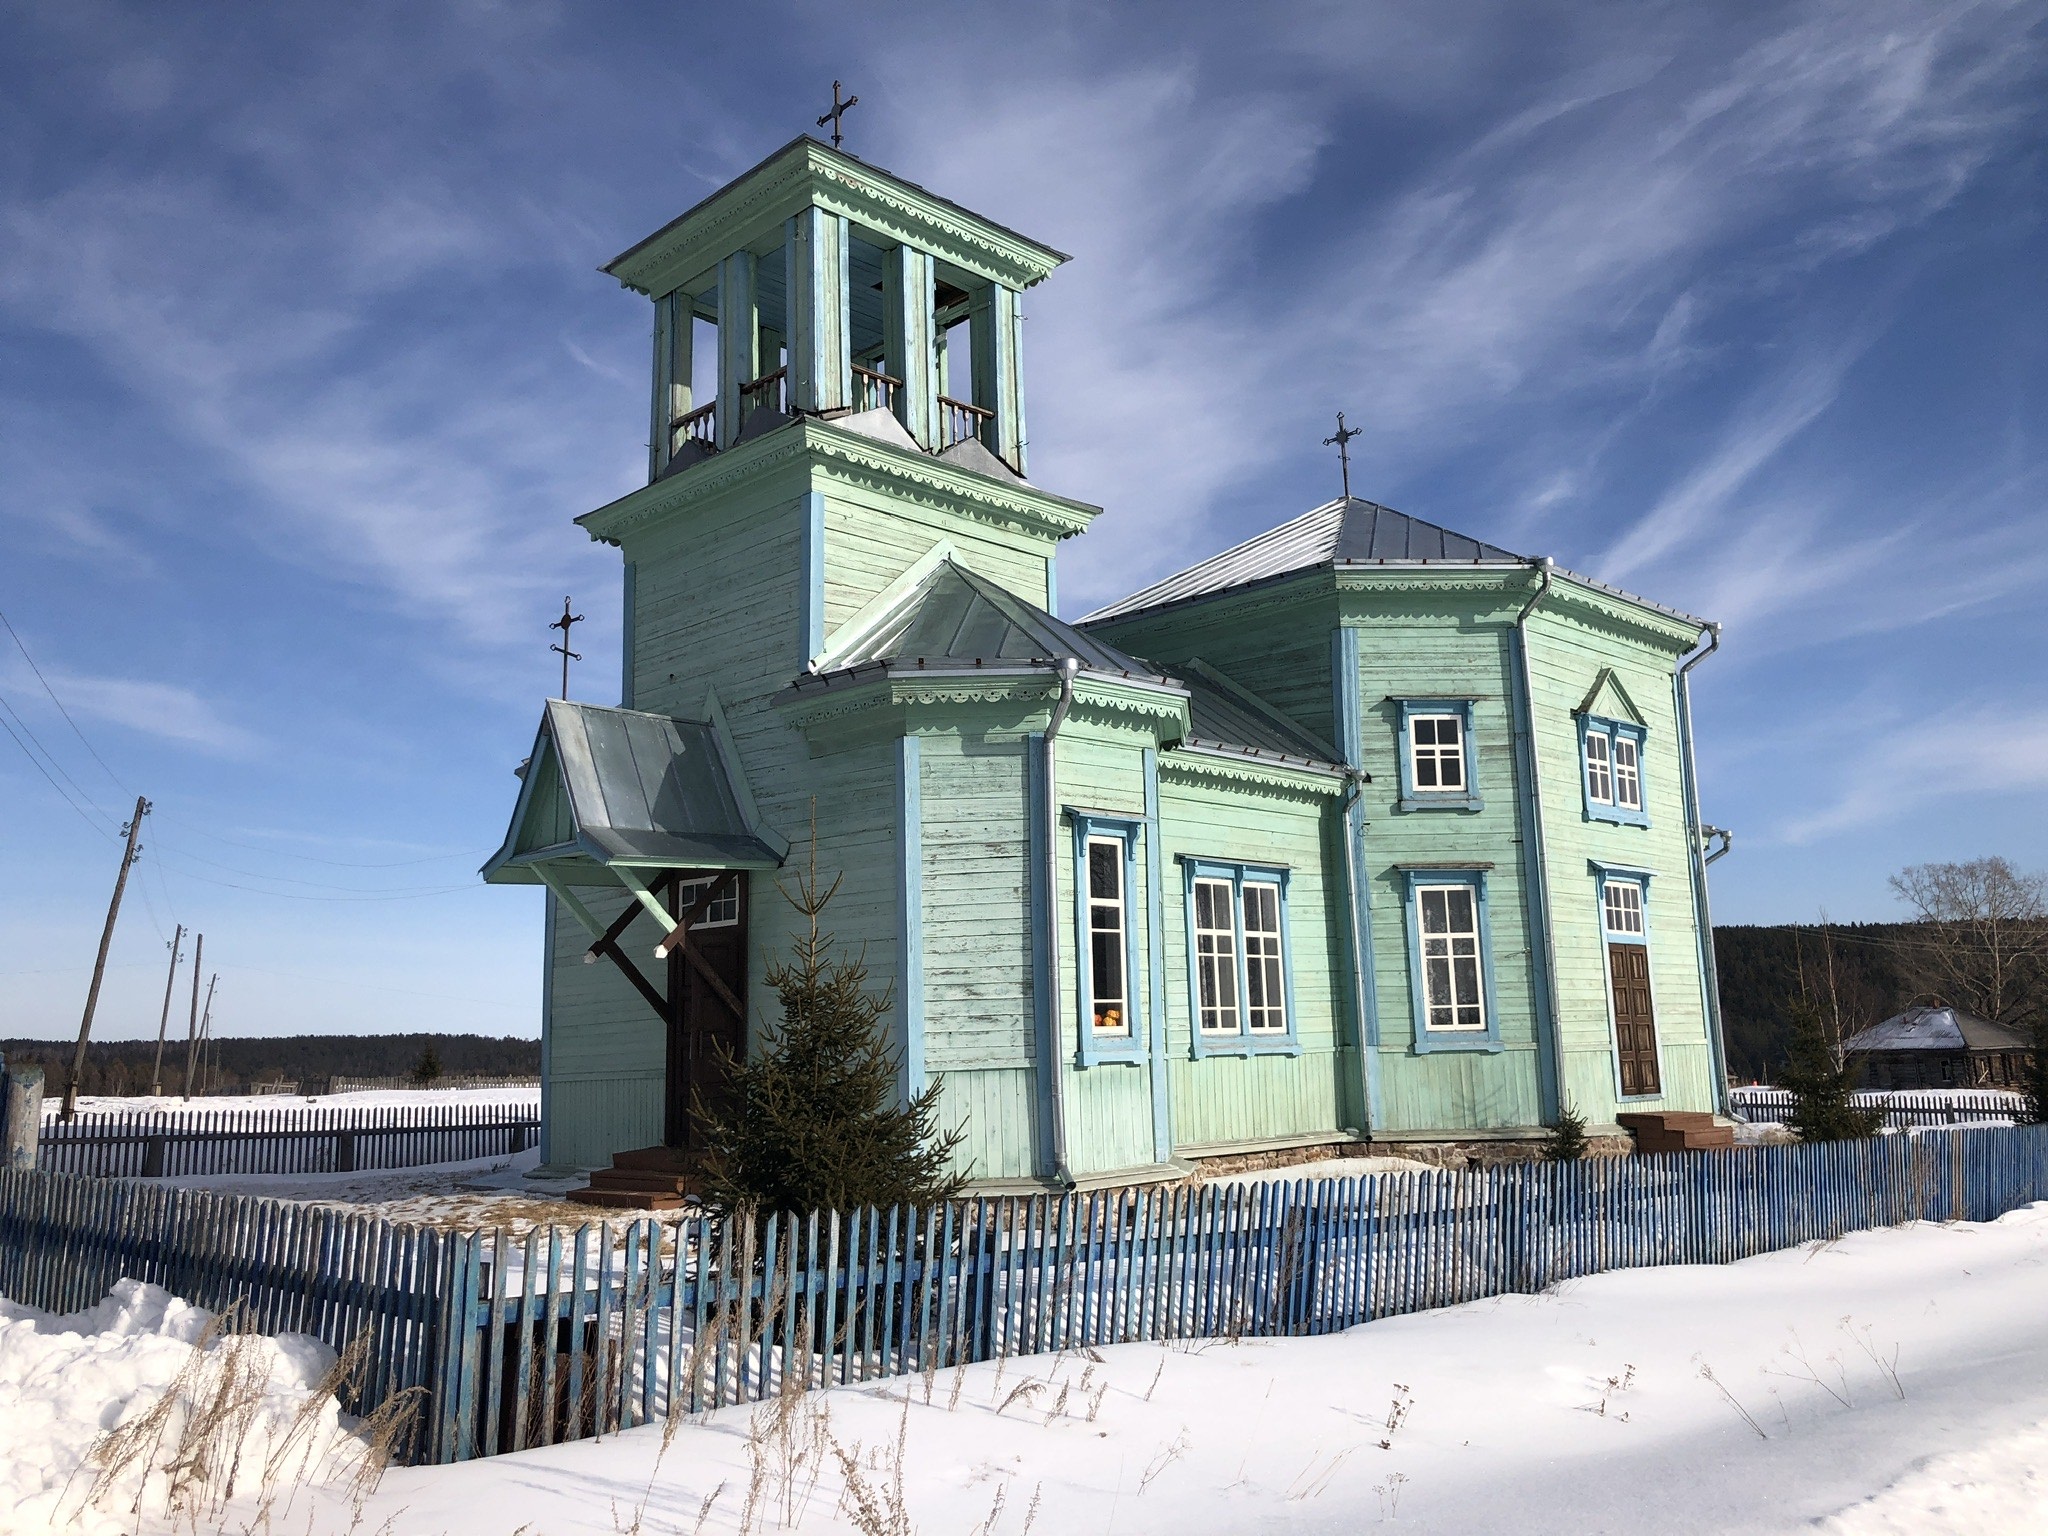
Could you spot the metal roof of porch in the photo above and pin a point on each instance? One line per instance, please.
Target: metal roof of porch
(621, 787)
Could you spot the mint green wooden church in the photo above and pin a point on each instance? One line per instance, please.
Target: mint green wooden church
(1363, 830)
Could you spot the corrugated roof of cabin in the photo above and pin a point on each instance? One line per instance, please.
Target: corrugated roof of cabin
(1935, 1028)
(955, 618)
(1343, 532)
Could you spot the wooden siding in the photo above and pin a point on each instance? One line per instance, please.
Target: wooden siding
(606, 1050)
(870, 541)
(977, 920)
(998, 1109)
(1109, 1106)
(1447, 646)
(1567, 655)
(1219, 1099)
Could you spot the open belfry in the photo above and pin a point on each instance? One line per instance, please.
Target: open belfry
(1362, 831)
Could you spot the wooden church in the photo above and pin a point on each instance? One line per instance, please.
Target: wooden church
(1361, 831)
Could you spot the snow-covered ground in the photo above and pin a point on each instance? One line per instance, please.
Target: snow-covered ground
(196, 1417)
(380, 1098)
(1889, 1382)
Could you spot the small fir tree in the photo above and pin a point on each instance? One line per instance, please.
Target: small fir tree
(814, 1121)
(1567, 1140)
(427, 1070)
(1821, 1084)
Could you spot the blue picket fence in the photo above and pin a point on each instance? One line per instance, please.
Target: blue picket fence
(555, 1334)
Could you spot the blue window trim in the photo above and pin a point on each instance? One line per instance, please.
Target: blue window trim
(1244, 1042)
(1601, 810)
(1427, 1040)
(1604, 874)
(1413, 799)
(1130, 1047)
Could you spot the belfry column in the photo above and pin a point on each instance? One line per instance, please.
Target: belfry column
(996, 323)
(907, 340)
(674, 323)
(820, 362)
(739, 339)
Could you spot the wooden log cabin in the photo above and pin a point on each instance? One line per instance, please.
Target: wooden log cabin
(1361, 831)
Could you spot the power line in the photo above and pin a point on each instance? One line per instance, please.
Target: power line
(20, 646)
(45, 772)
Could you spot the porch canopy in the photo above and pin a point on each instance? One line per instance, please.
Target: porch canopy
(622, 798)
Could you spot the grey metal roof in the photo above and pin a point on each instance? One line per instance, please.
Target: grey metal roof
(1936, 1028)
(1223, 713)
(955, 618)
(1341, 532)
(623, 786)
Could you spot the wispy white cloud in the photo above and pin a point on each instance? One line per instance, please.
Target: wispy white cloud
(165, 711)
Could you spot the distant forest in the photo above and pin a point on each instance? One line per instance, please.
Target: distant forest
(123, 1066)
(1761, 972)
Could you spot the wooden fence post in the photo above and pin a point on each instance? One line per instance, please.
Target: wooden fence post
(21, 1115)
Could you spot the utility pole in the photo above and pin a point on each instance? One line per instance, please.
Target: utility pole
(156, 1076)
(206, 1036)
(192, 1024)
(132, 831)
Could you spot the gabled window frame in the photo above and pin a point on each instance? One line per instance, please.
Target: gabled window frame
(1420, 878)
(1095, 1046)
(1612, 733)
(1468, 797)
(1607, 874)
(1243, 1040)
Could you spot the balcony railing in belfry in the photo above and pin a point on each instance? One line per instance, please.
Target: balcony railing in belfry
(958, 421)
(767, 393)
(699, 426)
(874, 390)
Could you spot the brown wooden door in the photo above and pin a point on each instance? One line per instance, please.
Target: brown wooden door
(704, 1025)
(1635, 1024)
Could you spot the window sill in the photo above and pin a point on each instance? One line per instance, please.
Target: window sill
(1243, 1045)
(1444, 802)
(1609, 814)
(1429, 1044)
(1112, 1051)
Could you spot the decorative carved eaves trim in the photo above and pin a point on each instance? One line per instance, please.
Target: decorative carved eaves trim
(1266, 780)
(808, 174)
(852, 460)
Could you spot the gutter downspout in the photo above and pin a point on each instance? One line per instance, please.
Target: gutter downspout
(1536, 878)
(1055, 1057)
(1361, 967)
(1695, 832)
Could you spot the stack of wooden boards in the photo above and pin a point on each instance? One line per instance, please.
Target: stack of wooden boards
(645, 1179)
(1675, 1131)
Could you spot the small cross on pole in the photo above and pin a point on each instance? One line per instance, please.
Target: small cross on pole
(566, 654)
(838, 111)
(1343, 441)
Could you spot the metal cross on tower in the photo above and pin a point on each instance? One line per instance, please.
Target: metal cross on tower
(563, 650)
(838, 111)
(1343, 441)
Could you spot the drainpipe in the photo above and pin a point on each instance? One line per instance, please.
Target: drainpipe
(1695, 833)
(1536, 878)
(1055, 1027)
(1363, 981)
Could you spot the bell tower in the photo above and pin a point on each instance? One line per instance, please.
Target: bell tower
(817, 286)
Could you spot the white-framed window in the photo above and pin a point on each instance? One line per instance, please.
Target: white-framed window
(1265, 977)
(1628, 776)
(1215, 918)
(1436, 754)
(1453, 982)
(1238, 982)
(1622, 907)
(724, 911)
(1600, 767)
(1108, 937)
(1611, 753)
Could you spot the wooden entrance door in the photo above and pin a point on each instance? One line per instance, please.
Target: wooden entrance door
(705, 1030)
(1635, 1024)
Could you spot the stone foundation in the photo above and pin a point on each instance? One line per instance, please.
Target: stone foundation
(1314, 1161)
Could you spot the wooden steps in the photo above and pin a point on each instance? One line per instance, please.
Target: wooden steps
(1676, 1131)
(643, 1179)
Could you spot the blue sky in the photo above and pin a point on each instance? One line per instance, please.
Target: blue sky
(305, 368)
